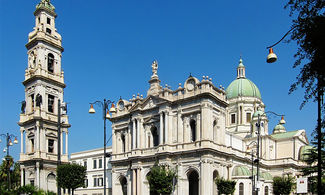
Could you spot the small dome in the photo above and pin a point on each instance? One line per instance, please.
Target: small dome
(267, 176)
(241, 171)
(242, 86)
(304, 152)
(279, 128)
(258, 112)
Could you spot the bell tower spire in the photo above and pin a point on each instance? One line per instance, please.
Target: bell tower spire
(44, 88)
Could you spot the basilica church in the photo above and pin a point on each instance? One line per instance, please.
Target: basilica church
(202, 132)
(198, 129)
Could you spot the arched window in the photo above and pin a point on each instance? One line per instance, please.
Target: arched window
(50, 62)
(155, 136)
(215, 130)
(124, 185)
(266, 190)
(215, 189)
(123, 142)
(193, 182)
(241, 189)
(193, 130)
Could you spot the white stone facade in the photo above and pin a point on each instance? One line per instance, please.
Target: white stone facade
(192, 130)
(44, 85)
(93, 160)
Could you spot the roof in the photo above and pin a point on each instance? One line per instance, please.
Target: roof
(304, 152)
(46, 5)
(242, 87)
(285, 135)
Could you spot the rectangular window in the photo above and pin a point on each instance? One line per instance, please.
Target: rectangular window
(32, 182)
(248, 117)
(48, 20)
(95, 182)
(233, 118)
(95, 164)
(85, 164)
(86, 183)
(32, 102)
(100, 181)
(50, 106)
(50, 145)
(100, 163)
(48, 30)
(32, 145)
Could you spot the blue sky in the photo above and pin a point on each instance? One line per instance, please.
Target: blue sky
(109, 46)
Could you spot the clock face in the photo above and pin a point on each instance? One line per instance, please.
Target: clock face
(190, 85)
(121, 105)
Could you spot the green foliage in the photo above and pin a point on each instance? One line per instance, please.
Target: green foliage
(71, 176)
(225, 186)
(160, 179)
(283, 185)
(7, 166)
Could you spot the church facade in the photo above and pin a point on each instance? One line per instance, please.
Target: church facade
(202, 132)
(41, 139)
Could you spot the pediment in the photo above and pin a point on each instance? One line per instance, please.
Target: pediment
(51, 135)
(151, 120)
(148, 103)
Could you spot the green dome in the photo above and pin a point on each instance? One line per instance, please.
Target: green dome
(242, 87)
(304, 152)
(241, 171)
(267, 176)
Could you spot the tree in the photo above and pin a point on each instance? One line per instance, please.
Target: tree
(5, 170)
(161, 179)
(283, 185)
(225, 186)
(71, 176)
(308, 31)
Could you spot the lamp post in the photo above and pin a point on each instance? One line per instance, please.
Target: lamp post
(104, 104)
(9, 143)
(257, 161)
(252, 177)
(64, 107)
(320, 93)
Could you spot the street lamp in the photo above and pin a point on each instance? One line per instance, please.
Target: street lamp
(104, 104)
(257, 161)
(9, 143)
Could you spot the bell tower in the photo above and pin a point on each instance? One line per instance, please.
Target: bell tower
(44, 86)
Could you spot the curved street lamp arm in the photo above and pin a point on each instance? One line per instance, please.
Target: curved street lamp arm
(271, 112)
(282, 37)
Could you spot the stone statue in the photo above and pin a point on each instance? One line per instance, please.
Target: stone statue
(32, 60)
(38, 100)
(23, 106)
(154, 66)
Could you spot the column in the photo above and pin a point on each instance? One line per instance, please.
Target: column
(61, 138)
(138, 133)
(161, 129)
(37, 140)
(126, 141)
(139, 181)
(66, 142)
(37, 179)
(133, 134)
(129, 138)
(22, 171)
(179, 128)
(113, 141)
(198, 127)
(134, 182)
(185, 134)
(21, 141)
(166, 127)
(141, 133)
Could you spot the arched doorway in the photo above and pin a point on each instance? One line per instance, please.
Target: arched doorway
(215, 176)
(193, 183)
(124, 185)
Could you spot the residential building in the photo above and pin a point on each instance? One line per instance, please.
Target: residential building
(93, 160)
